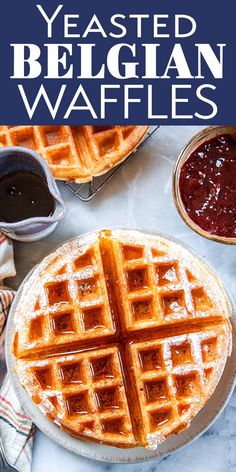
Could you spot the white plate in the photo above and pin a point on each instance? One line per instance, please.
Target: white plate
(199, 424)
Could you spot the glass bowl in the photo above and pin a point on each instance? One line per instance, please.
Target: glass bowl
(205, 135)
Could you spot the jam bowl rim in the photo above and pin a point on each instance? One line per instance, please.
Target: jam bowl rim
(192, 144)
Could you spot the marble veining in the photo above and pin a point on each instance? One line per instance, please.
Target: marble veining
(140, 196)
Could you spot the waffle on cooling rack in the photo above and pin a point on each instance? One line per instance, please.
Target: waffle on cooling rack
(121, 337)
(76, 153)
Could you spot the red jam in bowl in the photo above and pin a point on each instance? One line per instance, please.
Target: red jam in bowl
(208, 186)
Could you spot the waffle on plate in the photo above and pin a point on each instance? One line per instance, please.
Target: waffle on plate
(76, 153)
(121, 337)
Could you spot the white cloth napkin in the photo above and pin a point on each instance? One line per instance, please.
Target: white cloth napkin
(16, 429)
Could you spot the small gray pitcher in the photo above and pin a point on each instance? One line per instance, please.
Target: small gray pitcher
(17, 159)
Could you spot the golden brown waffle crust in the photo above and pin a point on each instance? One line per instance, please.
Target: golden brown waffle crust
(76, 153)
(191, 321)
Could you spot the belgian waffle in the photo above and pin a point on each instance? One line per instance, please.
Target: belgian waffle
(76, 153)
(121, 337)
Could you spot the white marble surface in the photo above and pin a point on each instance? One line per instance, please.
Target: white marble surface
(140, 196)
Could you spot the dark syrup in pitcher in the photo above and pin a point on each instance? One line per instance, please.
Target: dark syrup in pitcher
(24, 195)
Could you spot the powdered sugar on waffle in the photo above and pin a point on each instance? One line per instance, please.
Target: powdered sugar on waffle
(160, 283)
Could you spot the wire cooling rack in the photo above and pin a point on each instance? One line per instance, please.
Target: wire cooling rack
(89, 190)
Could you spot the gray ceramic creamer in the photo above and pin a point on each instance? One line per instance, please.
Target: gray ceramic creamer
(18, 159)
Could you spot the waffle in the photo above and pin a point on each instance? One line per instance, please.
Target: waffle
(76, 153)
(121, 337)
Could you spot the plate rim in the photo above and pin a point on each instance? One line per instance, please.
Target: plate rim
(102, 452)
